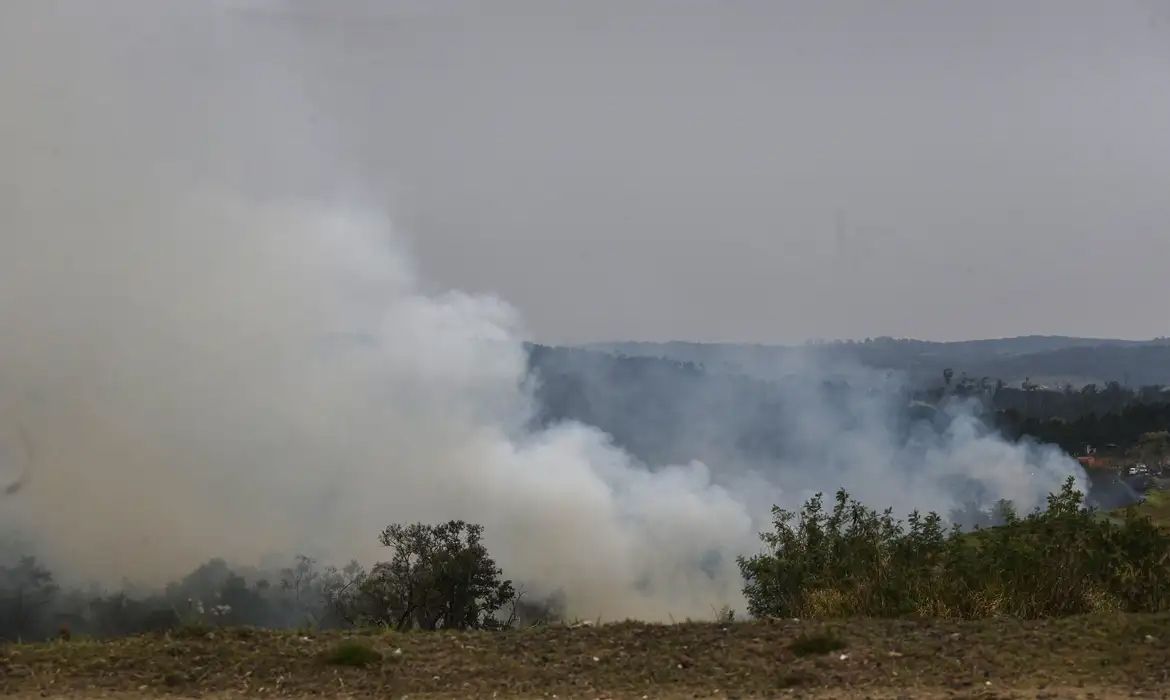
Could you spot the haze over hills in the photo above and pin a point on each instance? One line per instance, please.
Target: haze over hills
(750, 408)
(1053, 360)
(267, 278)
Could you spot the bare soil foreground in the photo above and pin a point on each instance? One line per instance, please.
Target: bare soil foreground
(1106, 656)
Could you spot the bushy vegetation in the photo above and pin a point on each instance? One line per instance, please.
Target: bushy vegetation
(1127, 428)
(852, 560)
(34, 606)
(847, 560)
(440, 576)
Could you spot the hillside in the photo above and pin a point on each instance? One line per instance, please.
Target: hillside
(1100, 656)
(1155, 506)
(666, 411)
(1056, 359)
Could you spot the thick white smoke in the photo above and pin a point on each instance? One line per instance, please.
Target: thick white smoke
(204, 355)
(236, 378)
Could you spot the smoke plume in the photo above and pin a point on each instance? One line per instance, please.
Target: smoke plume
(214, 344)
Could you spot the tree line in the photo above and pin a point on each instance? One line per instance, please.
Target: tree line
(438, 577)
(1064, 559)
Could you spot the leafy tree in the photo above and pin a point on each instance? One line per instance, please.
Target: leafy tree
(299, 579)
(240, 604)
(26, 592)
(121, 614)
(440, 576)
(341, 589)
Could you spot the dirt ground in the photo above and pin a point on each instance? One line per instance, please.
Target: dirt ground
(1102, 657)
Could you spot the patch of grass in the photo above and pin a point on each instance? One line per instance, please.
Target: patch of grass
(351, 653)
(815, 644)
(1156, 507)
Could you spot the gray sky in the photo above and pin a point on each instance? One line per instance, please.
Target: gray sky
(623, 169)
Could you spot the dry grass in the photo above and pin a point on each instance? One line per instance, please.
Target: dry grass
(1110, 653)
(1156, 507)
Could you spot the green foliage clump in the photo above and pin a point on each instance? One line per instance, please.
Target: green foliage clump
(440, 577)
(1062, 560)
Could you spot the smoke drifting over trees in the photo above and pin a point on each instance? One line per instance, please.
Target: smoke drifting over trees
(214, 353)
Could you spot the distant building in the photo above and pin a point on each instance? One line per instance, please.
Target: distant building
(1091, 462)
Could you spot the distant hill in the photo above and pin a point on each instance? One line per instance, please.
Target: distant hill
(1044, 359)
(665, 410)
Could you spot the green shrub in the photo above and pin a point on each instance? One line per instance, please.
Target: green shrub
(1062, 560)
(439, 577)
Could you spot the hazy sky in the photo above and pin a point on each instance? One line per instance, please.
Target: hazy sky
(621, 169)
